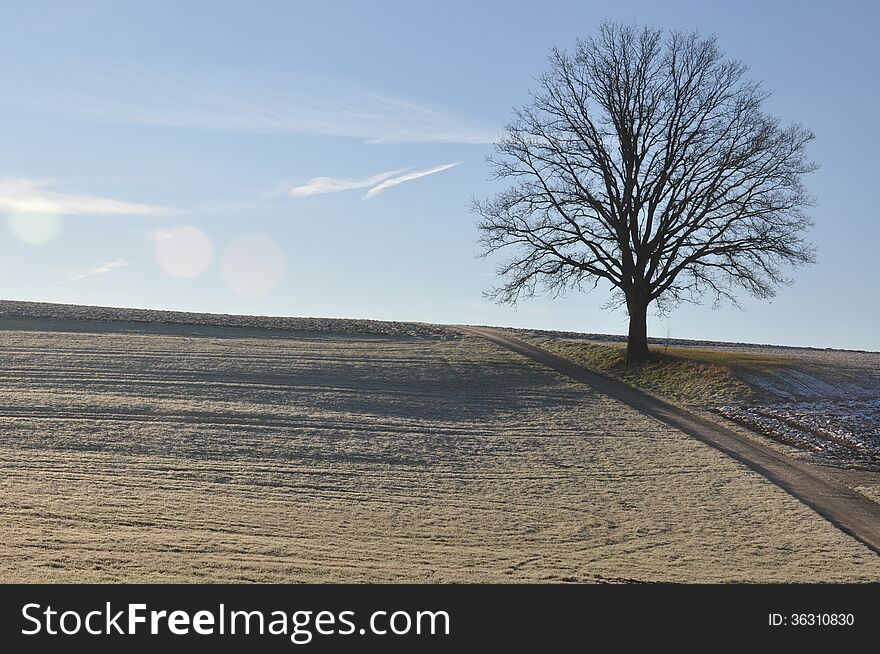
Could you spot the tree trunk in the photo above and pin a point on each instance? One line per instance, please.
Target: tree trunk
(637, 339)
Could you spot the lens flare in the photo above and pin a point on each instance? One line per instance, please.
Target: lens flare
(35, 228)
(253, 265)
(183, 251)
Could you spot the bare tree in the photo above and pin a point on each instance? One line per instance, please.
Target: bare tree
(646, 162)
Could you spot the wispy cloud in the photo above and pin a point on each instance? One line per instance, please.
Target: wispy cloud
(407, 177)
(318, 185)
(98, 270)
(245, 102)
(18, 195)
(376, 184)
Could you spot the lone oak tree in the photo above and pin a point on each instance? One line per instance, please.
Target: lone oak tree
(646, 161)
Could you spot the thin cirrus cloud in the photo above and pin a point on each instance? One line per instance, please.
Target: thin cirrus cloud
(407, 177)
(261, 103)
(98, 270)
(23, 196)
(376, 184)
(320, 185)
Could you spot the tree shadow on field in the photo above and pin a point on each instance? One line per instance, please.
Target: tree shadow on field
(389, 400)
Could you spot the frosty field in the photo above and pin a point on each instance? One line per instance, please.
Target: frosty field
(136, 452)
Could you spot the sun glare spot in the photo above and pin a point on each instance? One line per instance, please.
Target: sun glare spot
(183, 251)
(35, 228)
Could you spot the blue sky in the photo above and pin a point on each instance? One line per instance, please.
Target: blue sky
(295, 158)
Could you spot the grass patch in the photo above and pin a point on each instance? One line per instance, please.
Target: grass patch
(683, 375)
(729, 358)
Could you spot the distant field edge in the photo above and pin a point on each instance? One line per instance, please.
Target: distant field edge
(846, 509)
(41, 315)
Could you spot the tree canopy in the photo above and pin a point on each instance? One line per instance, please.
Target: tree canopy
(646, 161)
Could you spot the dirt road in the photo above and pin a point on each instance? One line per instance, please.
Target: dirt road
(849, 510)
